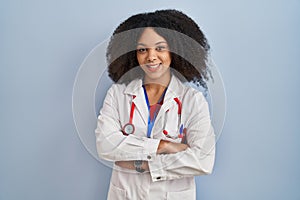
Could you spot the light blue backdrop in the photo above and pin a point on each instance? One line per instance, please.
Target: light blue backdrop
(255, 45)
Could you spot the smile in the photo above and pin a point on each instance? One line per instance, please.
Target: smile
(153, 67)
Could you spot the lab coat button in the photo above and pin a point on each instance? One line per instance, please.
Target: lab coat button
(149, 157)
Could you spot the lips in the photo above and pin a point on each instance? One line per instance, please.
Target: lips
(153, 67)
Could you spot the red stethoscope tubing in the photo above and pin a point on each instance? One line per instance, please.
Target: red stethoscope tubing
(131, 111)
(179, 105)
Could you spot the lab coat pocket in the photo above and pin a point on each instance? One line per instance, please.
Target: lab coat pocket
(116, 193)
(185, 194)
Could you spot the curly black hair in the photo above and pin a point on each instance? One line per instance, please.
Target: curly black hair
(188, 46)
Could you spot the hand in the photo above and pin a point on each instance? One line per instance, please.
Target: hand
(167, 147)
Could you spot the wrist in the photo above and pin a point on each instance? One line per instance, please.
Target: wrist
(138, 166)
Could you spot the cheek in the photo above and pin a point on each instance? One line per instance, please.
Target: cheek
(166, 58)
(140, 59)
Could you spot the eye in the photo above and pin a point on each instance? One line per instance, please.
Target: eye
(141, 50)
(161, 48)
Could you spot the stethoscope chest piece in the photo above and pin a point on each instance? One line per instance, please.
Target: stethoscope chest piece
(128, 129)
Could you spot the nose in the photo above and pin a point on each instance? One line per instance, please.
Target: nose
(151, 55)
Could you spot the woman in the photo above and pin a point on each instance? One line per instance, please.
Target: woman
(156, 129)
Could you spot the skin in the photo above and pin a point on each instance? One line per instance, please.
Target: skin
(154, 58)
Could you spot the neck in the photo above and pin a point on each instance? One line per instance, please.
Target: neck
(157, 84)
(155, 88)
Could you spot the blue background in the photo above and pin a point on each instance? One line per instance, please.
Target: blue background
(255, 45)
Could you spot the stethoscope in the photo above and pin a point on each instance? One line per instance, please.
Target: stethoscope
(129, 128)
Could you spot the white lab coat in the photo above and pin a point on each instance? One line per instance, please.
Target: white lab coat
(171, 176)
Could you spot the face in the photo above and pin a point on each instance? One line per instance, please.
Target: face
(154, 57)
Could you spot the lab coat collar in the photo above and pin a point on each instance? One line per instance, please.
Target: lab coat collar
(133, 87)
(174, 90)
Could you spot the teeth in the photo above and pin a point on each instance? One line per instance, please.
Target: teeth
(153, 66)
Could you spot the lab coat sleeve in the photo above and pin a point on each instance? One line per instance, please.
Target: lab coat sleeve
(111, 144)
(198, 158)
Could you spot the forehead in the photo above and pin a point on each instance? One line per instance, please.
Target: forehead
(149, 37)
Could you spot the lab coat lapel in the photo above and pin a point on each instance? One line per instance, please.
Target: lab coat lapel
(141, 105)
(135, 89)
(174, 90)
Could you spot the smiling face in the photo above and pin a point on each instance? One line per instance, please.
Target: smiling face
(154, 57)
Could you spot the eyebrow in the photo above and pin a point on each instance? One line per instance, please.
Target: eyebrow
(157, 43)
